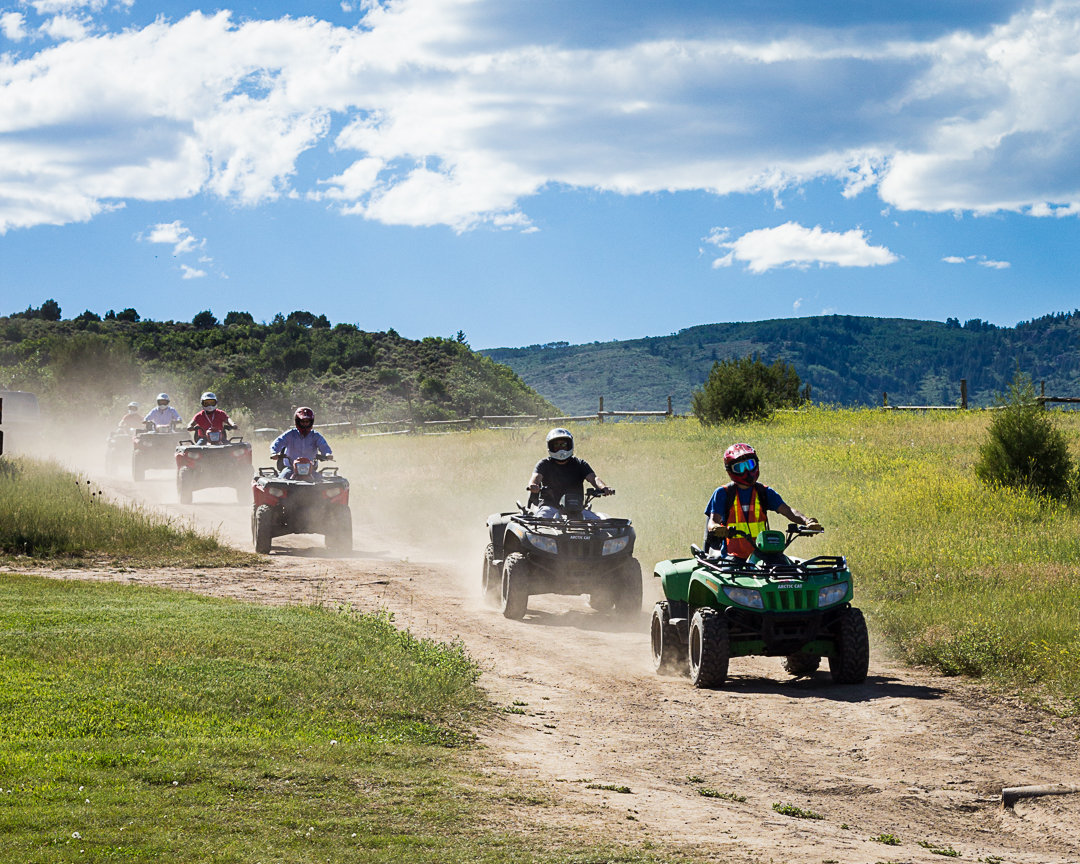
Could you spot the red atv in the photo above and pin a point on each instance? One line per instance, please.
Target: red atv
(215, 461)
(310, 502)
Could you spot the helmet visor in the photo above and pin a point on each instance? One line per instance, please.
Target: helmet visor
(304, 422)
(743, 467)
(555, 445)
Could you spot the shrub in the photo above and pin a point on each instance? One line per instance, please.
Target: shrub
(1023, 447)
(204, 320)
(745, 389)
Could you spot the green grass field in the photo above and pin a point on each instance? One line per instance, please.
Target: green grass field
(151, 725)
(47, 513)
(962, 577)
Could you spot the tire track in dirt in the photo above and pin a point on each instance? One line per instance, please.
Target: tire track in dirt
(908, 753)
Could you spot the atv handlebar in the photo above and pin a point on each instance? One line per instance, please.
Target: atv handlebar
(598, 493)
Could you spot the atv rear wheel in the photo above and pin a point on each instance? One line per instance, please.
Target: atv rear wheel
(515, 586)
(490, 586)
(243, 492)
(262, 521)
(138, 473)
(184, 484)
(628, 598)
(801, 665)
(339, 538)
(852, 660)
(602, 599)
(709, 649)
(668, 652)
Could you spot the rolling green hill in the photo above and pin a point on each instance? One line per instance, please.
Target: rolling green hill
(90, 367)
(846, 360)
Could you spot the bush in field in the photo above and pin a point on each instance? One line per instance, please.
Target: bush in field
(744, 389)
(1023, 447)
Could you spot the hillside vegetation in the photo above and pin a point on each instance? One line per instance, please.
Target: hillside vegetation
(846, 360)
(88, 367)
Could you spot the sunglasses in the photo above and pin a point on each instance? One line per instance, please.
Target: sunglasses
(743, 467)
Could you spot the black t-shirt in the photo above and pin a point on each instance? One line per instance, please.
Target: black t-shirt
(561, 478)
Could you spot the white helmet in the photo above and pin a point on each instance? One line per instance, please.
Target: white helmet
(560, 444)
(133, 406)
(208, 397)
(163, 397)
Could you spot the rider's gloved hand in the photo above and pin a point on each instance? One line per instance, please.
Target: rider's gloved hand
(534, 487)
(813, 524)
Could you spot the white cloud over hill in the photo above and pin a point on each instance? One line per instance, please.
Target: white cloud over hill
(447, 129)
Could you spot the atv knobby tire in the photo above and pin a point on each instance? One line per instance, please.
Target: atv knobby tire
(628, 598)
(262, 521)
(491, 584)
(603, 598)
(340, 537)
(184, 484)
(243, 492)
(709, 649)
(668, 652)
(852, 660)
(138, 473)
(801, 665)
(515, 586)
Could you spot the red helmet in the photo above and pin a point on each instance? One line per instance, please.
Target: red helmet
(742, 464)
(304, 418)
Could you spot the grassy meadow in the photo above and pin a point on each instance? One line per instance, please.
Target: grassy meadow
(47, 513)
(963, 577)
(151, 725)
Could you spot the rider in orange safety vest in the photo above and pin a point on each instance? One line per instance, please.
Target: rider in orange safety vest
(742, 505)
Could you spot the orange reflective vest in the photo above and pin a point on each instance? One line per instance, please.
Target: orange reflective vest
(753, 519)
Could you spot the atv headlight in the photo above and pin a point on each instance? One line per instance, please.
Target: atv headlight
(544, 544)
(831, 594)
(614, 545)
(745, 597)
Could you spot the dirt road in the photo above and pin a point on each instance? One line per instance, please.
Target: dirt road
(907, 754)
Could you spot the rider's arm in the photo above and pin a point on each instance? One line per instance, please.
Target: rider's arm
(536, 481)
(596, 481)
(795, 516)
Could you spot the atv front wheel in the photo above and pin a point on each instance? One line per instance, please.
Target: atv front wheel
(490, 585)
(515, 586)
(339, 537)
(668, 652)
(628, 598)
(852, 660)
(183, 485)
(709, 649)
(801, 665)
(261, 524)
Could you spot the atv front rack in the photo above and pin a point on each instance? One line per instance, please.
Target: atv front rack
(560, 524)
(780, 571)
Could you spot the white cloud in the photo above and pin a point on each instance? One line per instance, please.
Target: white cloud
(177, 234)
(64, 27)
(952, 259)
(191, 272)
(996, 265)
(13, 26)
(797, 304)
(446, 124)
(792, 245)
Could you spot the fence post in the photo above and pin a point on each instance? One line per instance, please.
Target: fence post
(884, 400)
(963, 393)
(669, 412)
(600, 411)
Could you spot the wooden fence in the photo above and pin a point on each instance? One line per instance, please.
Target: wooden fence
(487, 421)
(1042, 399)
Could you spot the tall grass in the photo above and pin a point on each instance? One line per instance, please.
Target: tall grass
(966, 577)
(49, 513)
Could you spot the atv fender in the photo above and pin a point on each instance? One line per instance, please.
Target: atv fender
(513, 535)
(674, 577)
(703, 590)
(496, 525)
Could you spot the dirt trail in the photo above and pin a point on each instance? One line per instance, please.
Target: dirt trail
(920, 757)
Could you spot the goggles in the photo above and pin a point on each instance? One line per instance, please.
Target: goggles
(743, 467)
(162, 401)
(209, 403)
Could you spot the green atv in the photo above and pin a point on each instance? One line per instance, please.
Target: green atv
(770, 604)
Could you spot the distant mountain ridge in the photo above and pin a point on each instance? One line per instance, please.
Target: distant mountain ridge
(846, 360)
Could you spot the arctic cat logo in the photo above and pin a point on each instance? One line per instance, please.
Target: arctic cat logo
(784, 585)
(578, 538)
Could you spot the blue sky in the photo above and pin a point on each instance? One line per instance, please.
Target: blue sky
(532, 172)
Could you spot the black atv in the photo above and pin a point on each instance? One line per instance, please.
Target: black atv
(117, 449)
(214, 461)
(155, 448)
(311, 502)
(565, 555)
